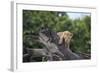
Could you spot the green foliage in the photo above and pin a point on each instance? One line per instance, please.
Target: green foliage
(57, 21)
(82, 35)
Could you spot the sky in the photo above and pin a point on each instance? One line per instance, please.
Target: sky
(74, 15)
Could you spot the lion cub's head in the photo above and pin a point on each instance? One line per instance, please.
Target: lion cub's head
(65, 37)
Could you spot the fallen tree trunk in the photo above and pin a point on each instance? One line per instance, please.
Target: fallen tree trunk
(50, 36)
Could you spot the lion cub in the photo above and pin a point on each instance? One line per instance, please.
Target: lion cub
(65, 37)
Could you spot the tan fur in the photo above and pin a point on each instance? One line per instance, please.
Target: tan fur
(66, 37)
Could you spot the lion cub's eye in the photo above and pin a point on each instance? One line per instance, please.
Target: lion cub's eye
(71, 34)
